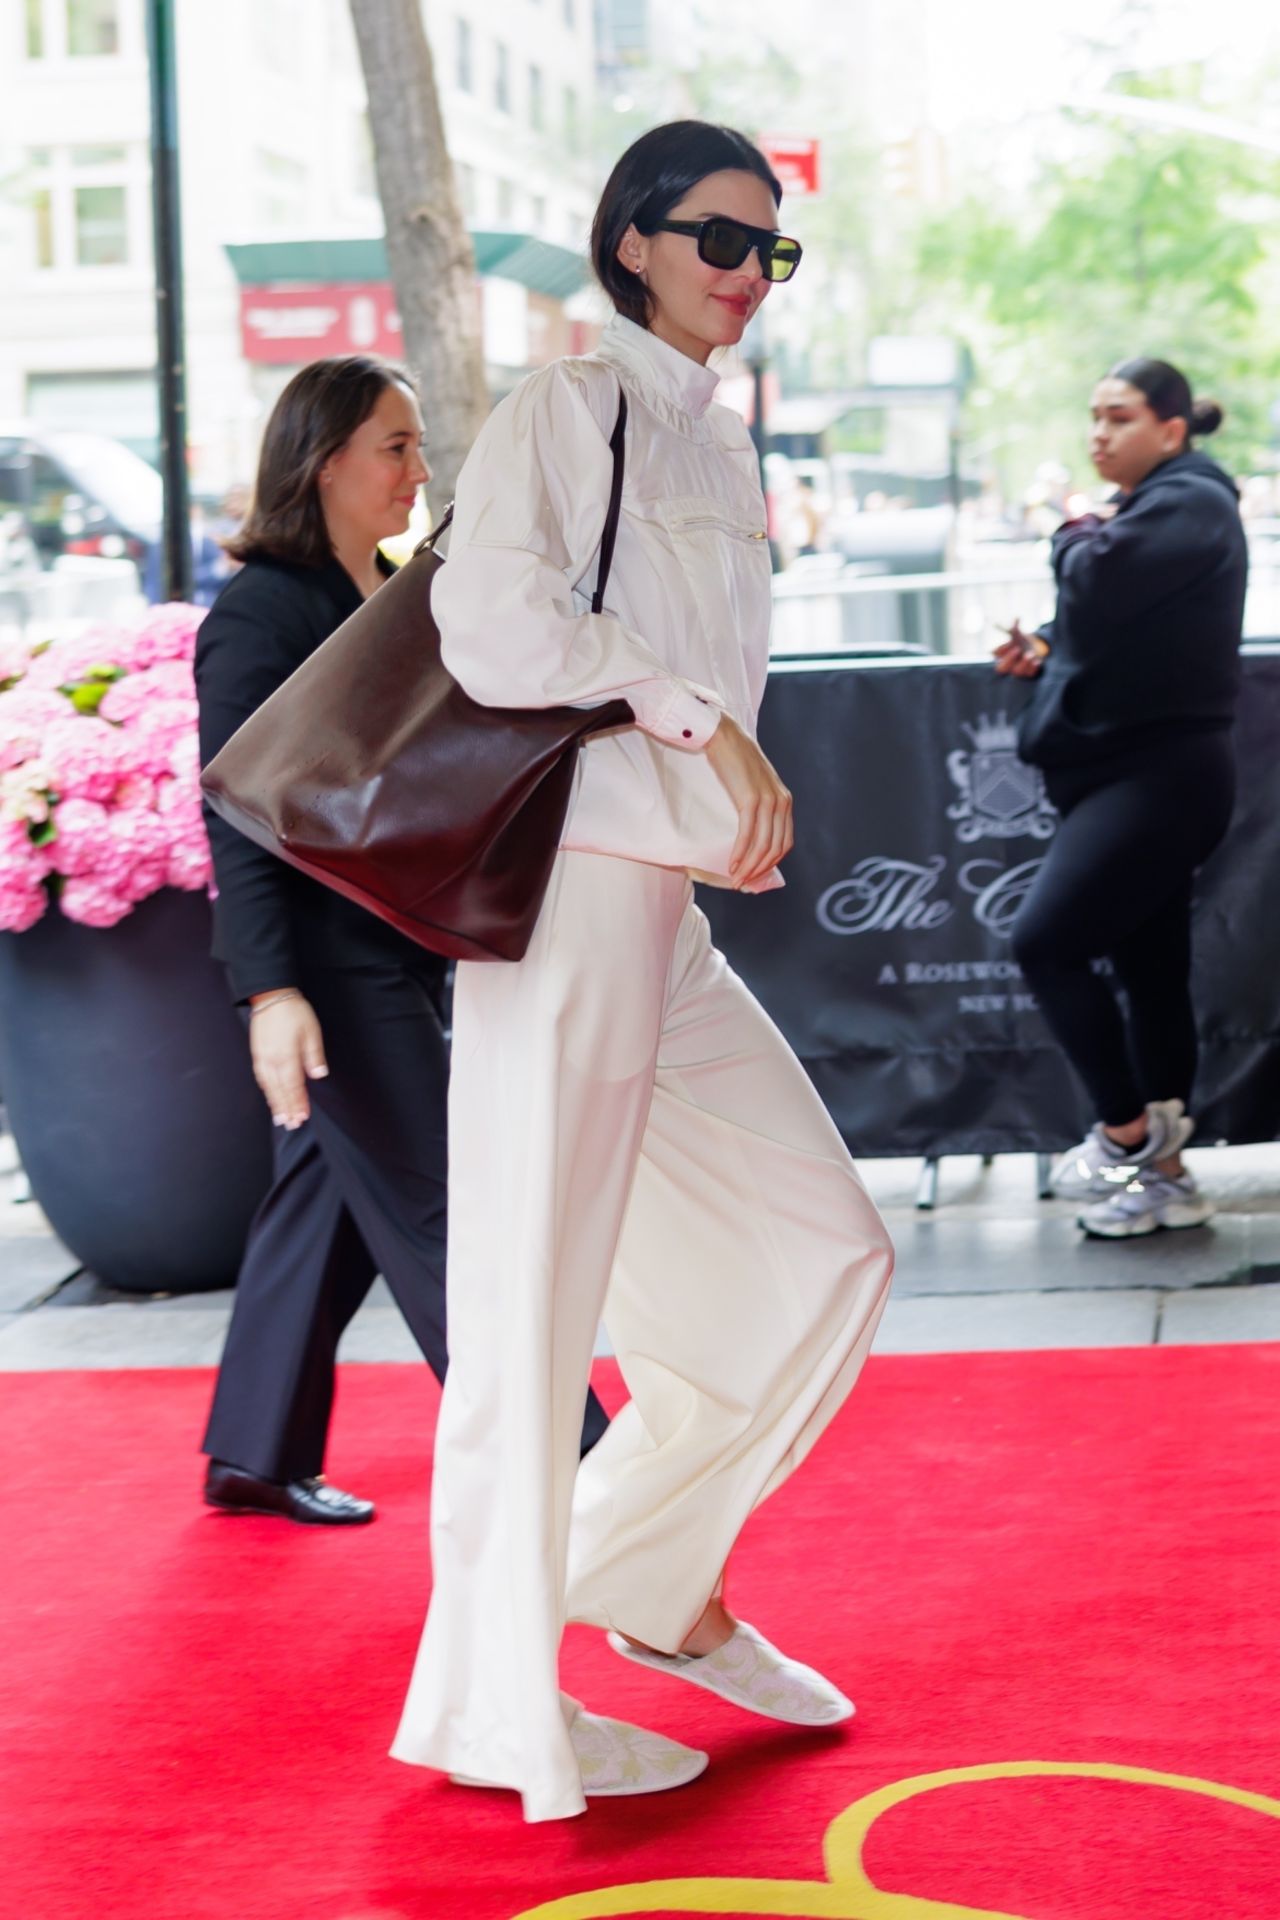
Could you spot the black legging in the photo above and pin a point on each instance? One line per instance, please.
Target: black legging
(1116, 883)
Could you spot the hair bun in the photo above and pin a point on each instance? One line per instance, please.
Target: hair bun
(1206, 416)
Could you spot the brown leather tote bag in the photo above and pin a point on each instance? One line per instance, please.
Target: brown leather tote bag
(371, 770)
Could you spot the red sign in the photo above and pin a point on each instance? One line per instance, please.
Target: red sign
(795, 161)
(288, 326)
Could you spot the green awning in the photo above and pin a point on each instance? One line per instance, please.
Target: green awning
(540, 265)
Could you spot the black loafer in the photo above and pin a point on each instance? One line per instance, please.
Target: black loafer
(311, 1502)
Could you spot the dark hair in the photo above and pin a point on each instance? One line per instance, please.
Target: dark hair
(315, 416)
(1168, 394)
(654, 175)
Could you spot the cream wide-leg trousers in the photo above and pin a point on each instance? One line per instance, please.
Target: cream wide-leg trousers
(628, 1134)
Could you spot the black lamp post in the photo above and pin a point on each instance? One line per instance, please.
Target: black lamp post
(756, 358)
(176, 581)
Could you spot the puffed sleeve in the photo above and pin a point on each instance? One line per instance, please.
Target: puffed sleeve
(530, 509)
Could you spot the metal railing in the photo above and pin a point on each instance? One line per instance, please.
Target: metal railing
(824, 609)
(79, 589)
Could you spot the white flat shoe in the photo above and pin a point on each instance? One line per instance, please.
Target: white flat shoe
(616, 1759)
(751, 1673)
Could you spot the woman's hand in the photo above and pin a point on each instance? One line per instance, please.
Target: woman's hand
(765, 834)
(1022, 654)
(287, 1050)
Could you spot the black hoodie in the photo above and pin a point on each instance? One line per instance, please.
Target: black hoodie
(1145, 640)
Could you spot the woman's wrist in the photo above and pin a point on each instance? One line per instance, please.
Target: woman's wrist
(259, 1002)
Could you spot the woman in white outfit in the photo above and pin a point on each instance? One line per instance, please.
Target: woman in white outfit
(629, 1133)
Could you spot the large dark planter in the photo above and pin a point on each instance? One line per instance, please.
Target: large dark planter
(126, 1076)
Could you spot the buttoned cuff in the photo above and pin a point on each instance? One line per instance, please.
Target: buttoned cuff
(680, 713)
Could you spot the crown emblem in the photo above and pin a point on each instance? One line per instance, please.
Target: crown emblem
(993, 733)
(998, 796)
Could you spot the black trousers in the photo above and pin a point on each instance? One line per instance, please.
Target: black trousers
(359, 1189)
(1116, 884)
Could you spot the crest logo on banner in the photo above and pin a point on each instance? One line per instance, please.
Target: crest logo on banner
(999, 794)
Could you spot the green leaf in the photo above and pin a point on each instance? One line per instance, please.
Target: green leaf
(87, 697)
(45, 833)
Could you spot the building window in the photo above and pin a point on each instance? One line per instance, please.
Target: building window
(537, 113)
(84, 159)
(506, 203)
(102, 232)
(42, 212)
(537, 213)
(79, 202)
(277, 27)
(35, 29)
(466, 178)
(464, 48)
(93, 27)
(572, 132)
(501, 78)
(364, 170)
(40, 198)
(570, 15)
(282, 184)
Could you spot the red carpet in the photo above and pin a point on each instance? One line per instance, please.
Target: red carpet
(1068, 1559)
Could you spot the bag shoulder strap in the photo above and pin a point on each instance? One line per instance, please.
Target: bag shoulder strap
(617, 447)
(442, 526)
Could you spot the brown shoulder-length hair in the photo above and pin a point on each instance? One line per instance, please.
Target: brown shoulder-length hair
(315, 416)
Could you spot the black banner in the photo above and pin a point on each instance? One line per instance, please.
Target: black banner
(886, 961)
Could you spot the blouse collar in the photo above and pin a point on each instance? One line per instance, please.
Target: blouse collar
(660, 371)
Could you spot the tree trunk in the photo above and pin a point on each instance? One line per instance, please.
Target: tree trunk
(428, 246)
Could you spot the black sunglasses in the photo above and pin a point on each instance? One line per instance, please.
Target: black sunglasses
(726, 244)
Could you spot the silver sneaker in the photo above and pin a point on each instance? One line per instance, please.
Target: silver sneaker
(751, 1672)
(616, 1759)
(1097, 1166)
(1144, 1204)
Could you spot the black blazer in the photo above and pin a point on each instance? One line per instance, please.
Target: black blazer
(270, 923)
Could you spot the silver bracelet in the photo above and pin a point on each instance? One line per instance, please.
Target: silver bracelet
(289, 993)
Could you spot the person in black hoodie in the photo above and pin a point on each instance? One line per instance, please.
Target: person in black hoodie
(1138, 674)
(344, 1013)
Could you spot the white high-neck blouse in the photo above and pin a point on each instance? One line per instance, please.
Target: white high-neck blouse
(685, 633)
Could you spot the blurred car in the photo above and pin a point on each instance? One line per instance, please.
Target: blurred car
(79, 493)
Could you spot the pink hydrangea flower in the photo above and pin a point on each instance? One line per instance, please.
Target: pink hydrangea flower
(172, 683)
(184, 761)
(136, 853)
(137, 790)
(24, 715)
(82, 831)
(93, 903)
(23, 867)
(68, 661)
(190, 865)
(88, 757)
(24, 793)
(119, 786)
(15, 657)
(21, 905)
(167, 633)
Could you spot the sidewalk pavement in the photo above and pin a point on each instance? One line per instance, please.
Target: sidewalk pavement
(991, 1267)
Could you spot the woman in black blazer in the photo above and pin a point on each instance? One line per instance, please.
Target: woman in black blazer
(344, 1013)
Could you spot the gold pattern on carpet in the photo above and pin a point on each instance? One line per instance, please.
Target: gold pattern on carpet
(847, 1893)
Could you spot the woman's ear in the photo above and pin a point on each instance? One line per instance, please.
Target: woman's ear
(633, 251)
